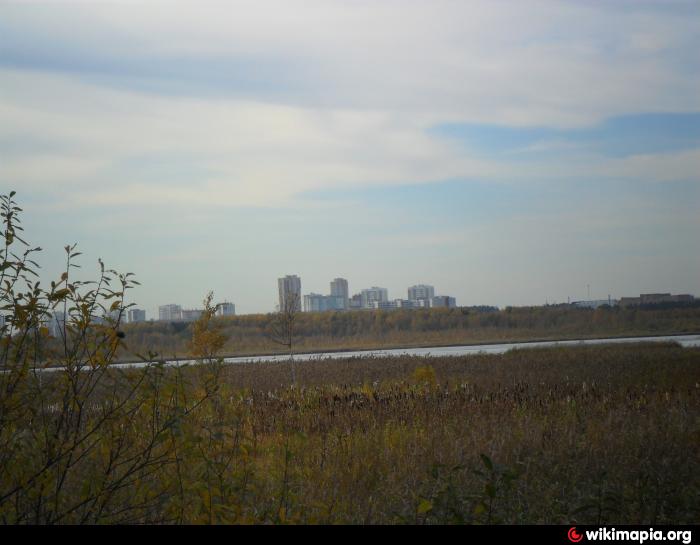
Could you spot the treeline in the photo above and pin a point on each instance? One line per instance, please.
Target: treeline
(374, 329)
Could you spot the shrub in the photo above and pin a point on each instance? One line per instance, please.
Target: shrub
(80, 441)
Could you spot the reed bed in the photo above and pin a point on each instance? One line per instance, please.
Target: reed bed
(605, 434)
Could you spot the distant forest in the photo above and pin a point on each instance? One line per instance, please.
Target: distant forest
(418, 327)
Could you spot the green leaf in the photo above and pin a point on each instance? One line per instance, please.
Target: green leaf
(424, 506)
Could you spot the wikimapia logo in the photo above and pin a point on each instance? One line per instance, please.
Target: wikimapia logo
(638, 536)
(573, 535)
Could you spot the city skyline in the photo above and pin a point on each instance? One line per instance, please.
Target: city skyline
(510, 153)
(390, 296)
(228, 309)
(419, 296)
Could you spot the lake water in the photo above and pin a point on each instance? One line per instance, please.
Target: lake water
(435, 351)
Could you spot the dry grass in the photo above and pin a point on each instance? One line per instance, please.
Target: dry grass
(587, 435)
(406, 328)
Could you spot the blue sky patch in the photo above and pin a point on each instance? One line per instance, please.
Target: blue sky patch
(621, 136)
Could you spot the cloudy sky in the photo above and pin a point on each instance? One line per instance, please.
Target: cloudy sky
(505, 152)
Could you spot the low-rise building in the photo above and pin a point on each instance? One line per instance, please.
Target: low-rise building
(655, 299)
(355, 302)
(595, 303)
(315, 302)
(191, 315)
(383, 305)
(443, 301)
(395, 304)
(629, 301)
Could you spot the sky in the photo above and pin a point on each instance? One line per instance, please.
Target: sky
(505, 152)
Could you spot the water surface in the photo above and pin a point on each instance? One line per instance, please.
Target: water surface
(438, 351)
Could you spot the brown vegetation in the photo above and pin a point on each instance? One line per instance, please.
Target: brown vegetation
(247, 334)
(585, 435)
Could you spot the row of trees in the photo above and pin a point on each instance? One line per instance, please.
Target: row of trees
(322, 330)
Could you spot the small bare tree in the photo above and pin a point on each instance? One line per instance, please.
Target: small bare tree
(282, 327)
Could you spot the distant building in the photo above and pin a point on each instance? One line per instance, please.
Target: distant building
(443, 301)
(314, 302)
(374, 294)
(289, 287)
(655, 299)
(421, 292)
(226, 309)
(595, 303)
(191, 315)
(57, 323)
(112, 315)
(339, 288)
(383, 305)
(651, 298)
(395, 304)
(629, 301)
(355, 302)
(136, 315)
(170, 313)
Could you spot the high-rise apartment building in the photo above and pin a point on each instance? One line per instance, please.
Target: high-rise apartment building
(339, 288)
(373, 294)
(136, 315)
(289, 290)
(226, 309)
(421, 292)
(57, 324)
(170, 313)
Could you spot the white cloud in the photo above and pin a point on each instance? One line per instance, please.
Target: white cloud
(247, 153)
(535, 62)
(130, 148)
